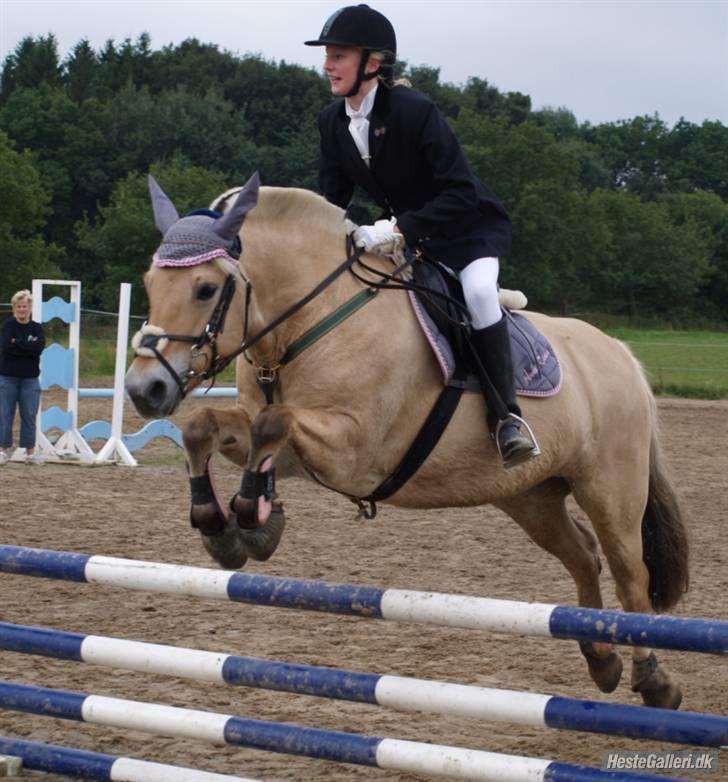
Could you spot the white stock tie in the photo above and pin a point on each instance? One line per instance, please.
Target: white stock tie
(359, 123)
(359, 129)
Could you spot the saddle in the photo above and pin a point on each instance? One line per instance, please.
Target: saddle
(441, 313)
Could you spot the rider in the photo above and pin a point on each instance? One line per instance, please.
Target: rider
(396, 145)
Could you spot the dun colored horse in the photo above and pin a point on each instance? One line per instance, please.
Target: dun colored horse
(345, 411)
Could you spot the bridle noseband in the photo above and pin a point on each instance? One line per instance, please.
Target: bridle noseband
(151, 340)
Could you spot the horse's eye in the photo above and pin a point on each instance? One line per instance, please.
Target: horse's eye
(206, 291)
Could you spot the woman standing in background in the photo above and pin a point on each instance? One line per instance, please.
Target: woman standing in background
(21, 342)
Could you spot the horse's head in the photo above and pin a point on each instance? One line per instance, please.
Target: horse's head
(191, 285)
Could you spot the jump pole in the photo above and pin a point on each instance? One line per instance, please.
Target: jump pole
(114, 449)
(402, 605)
(394, 692)
(374, 751)
(54, 759)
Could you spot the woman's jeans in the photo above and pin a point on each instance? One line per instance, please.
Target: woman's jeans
(24, 393)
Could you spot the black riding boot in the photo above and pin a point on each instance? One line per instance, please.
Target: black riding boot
(493, 347)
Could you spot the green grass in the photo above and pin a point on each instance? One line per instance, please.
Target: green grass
(691, 364)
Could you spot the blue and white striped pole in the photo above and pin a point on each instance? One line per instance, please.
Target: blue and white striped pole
(392, 754)
(402, 605)
(394, 692)
(54, 759)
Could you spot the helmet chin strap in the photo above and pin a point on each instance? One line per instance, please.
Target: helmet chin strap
(361, 75)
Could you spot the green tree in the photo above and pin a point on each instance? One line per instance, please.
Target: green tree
(708, 214)
(69, 148)
(559, 236)
(486, 100)
(23, 211)
(34, 62)
(119, 243)
(696, 157)
(81, 72)
(509, 158)
(653, 266)
(205, 130)
(633, 151)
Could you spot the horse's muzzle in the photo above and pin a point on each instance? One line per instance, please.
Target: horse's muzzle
(154, 393)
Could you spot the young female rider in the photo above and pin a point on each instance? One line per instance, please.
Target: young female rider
(395, 144)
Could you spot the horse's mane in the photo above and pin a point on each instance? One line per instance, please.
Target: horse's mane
(289, 203)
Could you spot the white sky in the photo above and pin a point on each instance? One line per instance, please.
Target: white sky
(603, 59)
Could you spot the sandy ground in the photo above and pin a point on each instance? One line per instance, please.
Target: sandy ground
(143, 513)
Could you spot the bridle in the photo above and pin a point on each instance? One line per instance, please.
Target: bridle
(151, 340)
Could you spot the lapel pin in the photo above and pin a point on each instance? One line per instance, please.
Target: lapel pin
(379, 131)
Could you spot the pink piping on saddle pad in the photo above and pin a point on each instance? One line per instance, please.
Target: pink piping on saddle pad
(441, 360)
(193, 260)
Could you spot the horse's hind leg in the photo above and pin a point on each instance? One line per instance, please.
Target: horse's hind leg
(543, 515)
(616, 505)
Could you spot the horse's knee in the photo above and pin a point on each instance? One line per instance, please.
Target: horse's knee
(199, 430)
(271, 428)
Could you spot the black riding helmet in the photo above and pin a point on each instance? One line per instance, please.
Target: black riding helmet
(365, 28)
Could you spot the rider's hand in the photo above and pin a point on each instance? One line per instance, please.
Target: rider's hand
(382, 237)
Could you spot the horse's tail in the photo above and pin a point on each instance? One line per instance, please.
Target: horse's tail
(664, 537)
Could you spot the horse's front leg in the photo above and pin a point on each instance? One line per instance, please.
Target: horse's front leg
(260, 519)
(205, 433)
(328, 440)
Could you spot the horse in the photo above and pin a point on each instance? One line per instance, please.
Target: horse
(345, 410)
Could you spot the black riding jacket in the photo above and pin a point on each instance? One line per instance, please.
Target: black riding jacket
(418, 173)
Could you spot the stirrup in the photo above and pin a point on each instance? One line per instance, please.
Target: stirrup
(514, 461)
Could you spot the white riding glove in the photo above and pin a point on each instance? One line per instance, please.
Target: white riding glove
(380, 237)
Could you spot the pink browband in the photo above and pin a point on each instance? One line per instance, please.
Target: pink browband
(193, 260)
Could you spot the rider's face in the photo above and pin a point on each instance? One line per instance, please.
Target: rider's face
(341, 67)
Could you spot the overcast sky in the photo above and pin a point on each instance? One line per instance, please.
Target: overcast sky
(603, 59)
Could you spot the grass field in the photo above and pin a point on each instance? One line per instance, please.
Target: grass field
(692, 364)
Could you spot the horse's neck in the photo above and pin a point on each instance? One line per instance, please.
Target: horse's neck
(283, 267)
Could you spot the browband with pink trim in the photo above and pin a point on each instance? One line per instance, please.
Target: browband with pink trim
(193, 260)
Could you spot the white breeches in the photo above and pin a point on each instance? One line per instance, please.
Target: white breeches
(480, 288)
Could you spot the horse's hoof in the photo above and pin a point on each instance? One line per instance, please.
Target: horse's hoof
(208, 518)
(261, 543)
(245, 512)
(655, 685)
(226, 548)
(605, 672)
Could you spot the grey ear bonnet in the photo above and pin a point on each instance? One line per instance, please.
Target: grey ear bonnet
(199, 238)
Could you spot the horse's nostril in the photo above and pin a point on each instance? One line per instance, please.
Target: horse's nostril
(157, 392)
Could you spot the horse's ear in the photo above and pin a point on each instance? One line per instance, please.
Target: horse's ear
(165, 213)
(229, 224)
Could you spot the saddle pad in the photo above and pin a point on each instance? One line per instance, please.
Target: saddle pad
(535, 364)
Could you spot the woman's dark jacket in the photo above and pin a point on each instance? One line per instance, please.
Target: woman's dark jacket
(418, 173)
(20, 347)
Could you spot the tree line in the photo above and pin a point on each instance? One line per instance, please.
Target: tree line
(628, 218)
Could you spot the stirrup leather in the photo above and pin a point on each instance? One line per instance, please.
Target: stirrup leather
(514, 461)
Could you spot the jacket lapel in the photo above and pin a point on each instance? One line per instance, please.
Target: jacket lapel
(378, 122)
(362, 173)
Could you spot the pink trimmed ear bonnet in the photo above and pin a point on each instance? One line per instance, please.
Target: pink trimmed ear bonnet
(199, 238)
